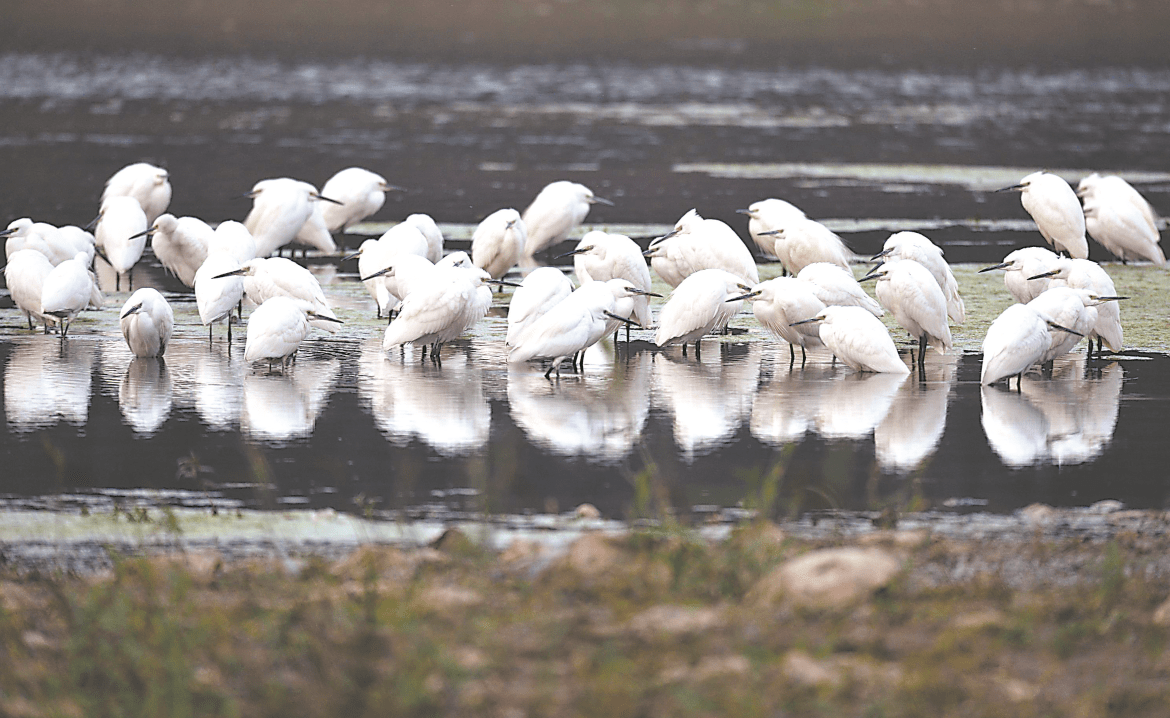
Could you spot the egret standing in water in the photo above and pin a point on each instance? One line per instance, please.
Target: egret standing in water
(780, 304)
(600, 256)
(914, 246)
(540, 291)
(147, 322)
(280, 208)
(219, 289)
(360, 193)
(148, 184)
(25, 275)
(1022, 264)
(799, 242)
(1120, 219)
(180, 244)
(57, 244)
(498, 242)
(836, 287)
(265, 278)
(1017, 339)
(859, 339)
(1087, 275)
(121, 231)
(67, 290)
(910, 293)
(696, 244)
(277, 328)
(1054, 206)
(557, 210)
(444, 308)
(702, 303)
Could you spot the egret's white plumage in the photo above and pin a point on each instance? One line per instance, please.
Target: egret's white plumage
(601, 256)
(148, 184)
(1054, 206)
(181, 244)
(1117, 189)
(1021, 264)
(360, 192)
(425, 224)
(314, 232)
(376, 255)
(57, 244)
(696, 244)
(542, 289)
(67, 290)
(1119, 226)
(446, 306)
(836, 287)
(235, 239)
(781, 302)
(1017, 339)
(765, 216)
(265, 278)
(699, 305)
(218, 288)
(276, 330)
(859, 339)
(147, 322)
(1084, 274)
(1074, 309)
(121, 231)
(280, 208)
(911, 294)
(572, 325)
(557, 210)
(25, 274)
(799, 242)
(914, 246)
(498, 242)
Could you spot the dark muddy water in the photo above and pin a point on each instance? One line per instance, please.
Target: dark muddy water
(869, 152)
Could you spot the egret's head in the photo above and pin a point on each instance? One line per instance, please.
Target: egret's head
(132, 309)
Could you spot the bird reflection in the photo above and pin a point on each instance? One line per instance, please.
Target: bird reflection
(144, 395)
(710, 398)
(598, 415)
(914, 425)
(443, 406)
(1068, 419)
(46, 382)
(785, 408)
(854, 405)
(212, 380)
(280, 408)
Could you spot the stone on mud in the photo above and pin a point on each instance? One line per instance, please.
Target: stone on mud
(828, 578)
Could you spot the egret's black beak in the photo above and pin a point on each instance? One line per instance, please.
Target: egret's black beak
(748, 212)
(148, 232)
(323, 198)
(624, 320)
(579, 250)
(1054, 325)
(770, 233)
(355, 255)
(500, 282)
(132, 310)
(881, 254)
(806, 321)
(750, 295)
(7, 233)
(1045, 275)
(323, 318)
(233, 273)
(1013, 188)
(378, 273)
(644, 293)
(1002, 265)
(601, 200)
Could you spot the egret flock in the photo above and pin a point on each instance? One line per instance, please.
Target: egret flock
(432, 298)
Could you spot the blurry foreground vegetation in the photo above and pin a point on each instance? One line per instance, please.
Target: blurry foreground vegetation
(651, 623)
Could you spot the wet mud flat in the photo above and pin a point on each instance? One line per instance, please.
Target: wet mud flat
(752, 619)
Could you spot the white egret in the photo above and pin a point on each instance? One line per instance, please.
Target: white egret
(1067, 307)
(836, 287)
(859, 339)
(375, 255)
(557, 210)
(67, 290)
(80, 239)
(425, 224)
(799, 242)
(601, 256)
(912, 245)
(121, 232)
(696, 244)
(235, 239)
(1119, 226)
(277, 328)
(1116, 188)
(542, 289)
(148, 184)
(402, 274)
(314, 233)
(1084, 274)
(181, 244)
(1054, 206)
(455, 259)
(782, 302)
(913, 297)
(25, 274)
(498, 242)
(765, 216)
(265, 278)
(1017, 339)
(702, 303)
(625, 296)
(360, 192)
(218, 289)
(574, 324)
(147, 321)
(280, 207)
(1021, 264)
(448, 304)
(56, 243)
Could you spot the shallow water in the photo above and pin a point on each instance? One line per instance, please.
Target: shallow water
(869, 152)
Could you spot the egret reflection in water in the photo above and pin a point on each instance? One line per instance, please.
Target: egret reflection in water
(445, 407)
(145, 394)
(596, 415)
(282, 408)
(915, 423)
(1068, 419)
(710, 397)
(47, 381)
